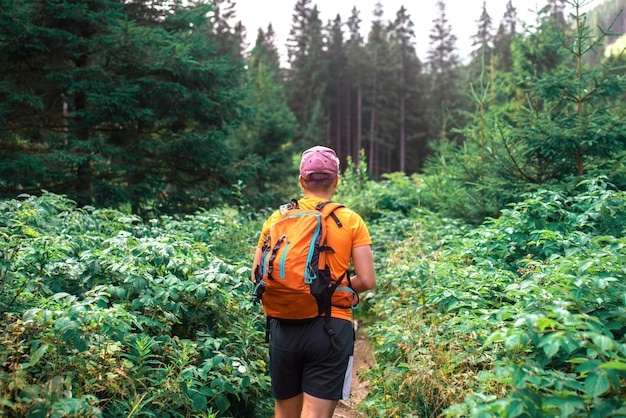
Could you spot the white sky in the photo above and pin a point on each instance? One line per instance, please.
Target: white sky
(462, 15)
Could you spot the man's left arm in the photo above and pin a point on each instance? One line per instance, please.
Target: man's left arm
(256, 262)
(365, 275)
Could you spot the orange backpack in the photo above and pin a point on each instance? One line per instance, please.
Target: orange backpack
(292, 280)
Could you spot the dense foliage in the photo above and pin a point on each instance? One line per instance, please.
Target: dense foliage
(548, 123)
(501, 276)
(106, 315)
(522, 316)
(158, 106)
(134, 104)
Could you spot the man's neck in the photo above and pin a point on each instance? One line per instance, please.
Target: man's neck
(319, 195)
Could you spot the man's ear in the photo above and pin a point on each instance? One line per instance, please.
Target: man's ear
(301, 180)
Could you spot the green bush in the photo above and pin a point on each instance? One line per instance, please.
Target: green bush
(521, 316)
(107, 315)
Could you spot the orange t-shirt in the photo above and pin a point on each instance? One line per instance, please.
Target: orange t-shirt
(352, 234)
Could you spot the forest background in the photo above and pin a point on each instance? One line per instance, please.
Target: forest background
(156, 107)
(141, 146)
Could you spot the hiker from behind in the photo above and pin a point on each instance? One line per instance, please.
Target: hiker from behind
(301, 273)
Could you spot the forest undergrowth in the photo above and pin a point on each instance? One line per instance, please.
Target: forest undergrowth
(522, 316)
(107, 315)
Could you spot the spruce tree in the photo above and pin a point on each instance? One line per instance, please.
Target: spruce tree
(116, 103)
(443, 66)
(227, 32)
(408, 69)
(336, 99)
(264, 143)
(265, 48)
(306, 85)
(375, 47)
(381, 99)
(357, 68)
(482, 40)
(507, 30)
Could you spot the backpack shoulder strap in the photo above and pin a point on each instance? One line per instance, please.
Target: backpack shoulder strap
(328, 209)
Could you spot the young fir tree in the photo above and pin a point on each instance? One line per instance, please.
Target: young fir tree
(573, 120)
(566, 126)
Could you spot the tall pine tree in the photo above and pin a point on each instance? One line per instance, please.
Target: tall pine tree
(306, 85)
(402, 37)
(443, 65)
(336, 60)
(263, 144)
(356, 71)
(116, 103)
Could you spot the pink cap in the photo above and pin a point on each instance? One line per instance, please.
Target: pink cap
(319, 160)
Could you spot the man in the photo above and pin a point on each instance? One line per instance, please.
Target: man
(309, 375)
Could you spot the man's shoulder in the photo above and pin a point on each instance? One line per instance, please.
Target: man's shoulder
(350, 217)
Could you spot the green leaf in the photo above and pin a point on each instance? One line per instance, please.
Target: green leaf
(38, 354)
(496, 336)
(199, 402)
(515, 341)
(603, 343)
(551, 348)
(613, 365)
(222, 402)
(597, 384)
(543, 323)
(583, 267)
(515, 409)
(201, 292)
(568, 405)
(79, 343)
(587, 365)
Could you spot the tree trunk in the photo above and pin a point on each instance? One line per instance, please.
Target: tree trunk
(358, 126)
(349, 150)
(402, 135)
(372, 153)
(338, 119)
(84, 171)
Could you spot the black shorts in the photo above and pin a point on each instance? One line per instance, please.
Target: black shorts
(302, 359)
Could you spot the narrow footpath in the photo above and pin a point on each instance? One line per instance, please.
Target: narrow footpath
(363, 360)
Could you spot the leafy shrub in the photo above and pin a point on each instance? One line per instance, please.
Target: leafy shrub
(107, 315)
(396, 193)
(521, 316)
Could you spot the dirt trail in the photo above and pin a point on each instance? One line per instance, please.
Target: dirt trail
(363, 359)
